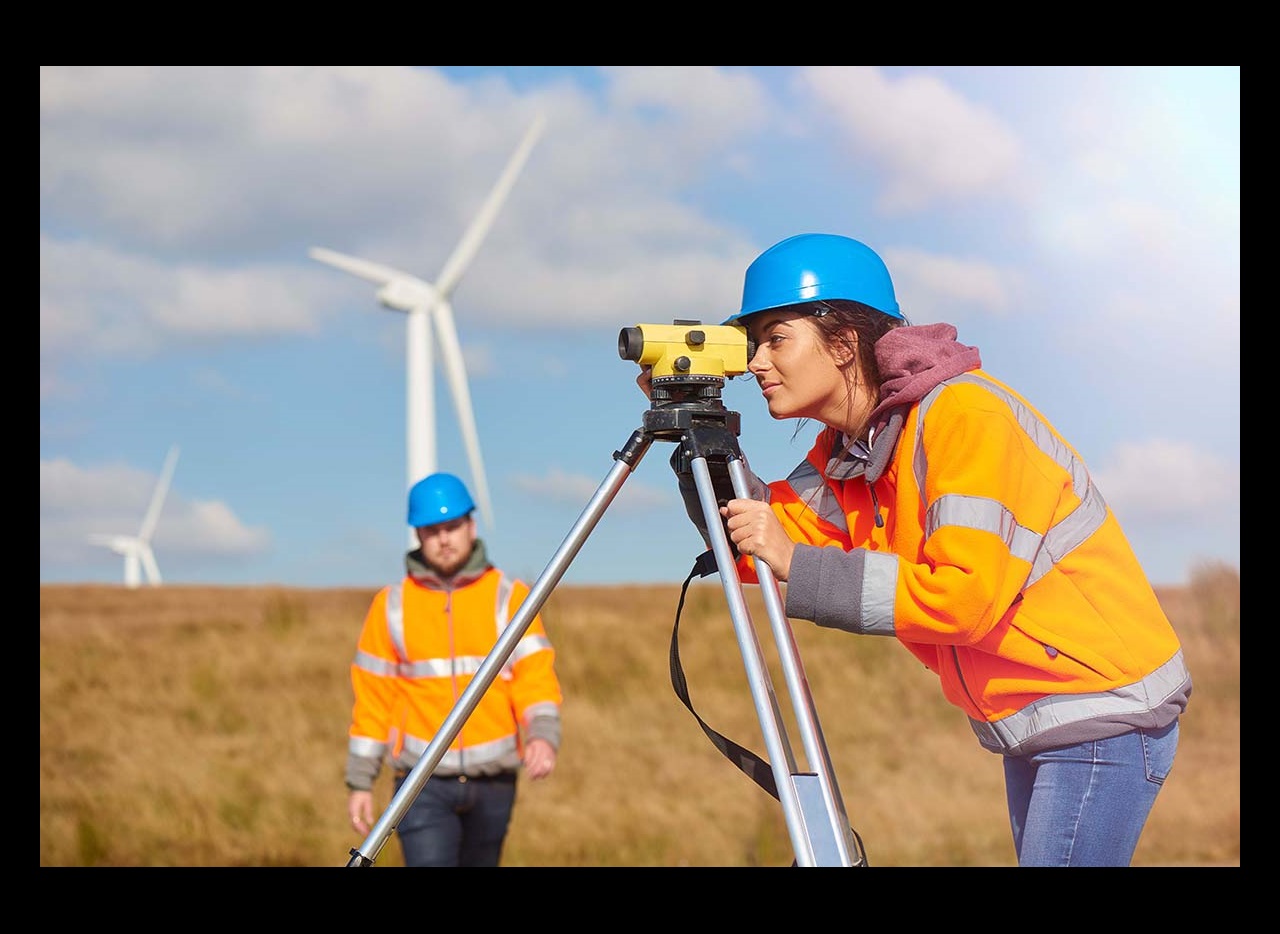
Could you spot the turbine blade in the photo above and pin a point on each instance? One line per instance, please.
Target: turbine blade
(157, 497)
(456, 372)
(462, 254)
(149, 565)
(400, 290)
(365, 269)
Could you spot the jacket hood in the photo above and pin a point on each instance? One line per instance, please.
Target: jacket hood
(424, 573)
(912, 360)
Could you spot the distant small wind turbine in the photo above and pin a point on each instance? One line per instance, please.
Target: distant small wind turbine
(424, 304)
(138, 556)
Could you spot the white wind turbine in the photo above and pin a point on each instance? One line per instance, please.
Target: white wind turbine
(426, 304)
(138, 556)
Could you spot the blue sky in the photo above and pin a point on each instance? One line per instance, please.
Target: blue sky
(1079, 225)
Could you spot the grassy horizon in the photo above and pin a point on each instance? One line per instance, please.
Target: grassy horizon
(206, 726)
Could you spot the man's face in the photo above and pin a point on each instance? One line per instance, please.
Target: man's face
(447, 545)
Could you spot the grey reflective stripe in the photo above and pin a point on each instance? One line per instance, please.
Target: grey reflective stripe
(542, 708)
(1070, 533)
(395, 627)
(479, 755)
(528, 645)
(813, 491)
(1148, 694)
(395, 618)
(977, 512)
(1062, 537)
(439, 667)
(879, 586)
(375, 665)
(501, 608)
(366, 746)
(502, 616)
(462, 664)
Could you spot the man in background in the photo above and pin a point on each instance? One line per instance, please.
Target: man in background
(423, 640)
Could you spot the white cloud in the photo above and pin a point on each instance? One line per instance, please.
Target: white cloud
(930, 141)
(1170, 481)
(240, 169)
(577, 489)
(1098, 208)
(79, 501)
(98, 300)
(932, 287)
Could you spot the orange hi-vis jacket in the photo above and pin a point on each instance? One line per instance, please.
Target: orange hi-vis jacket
(422, 641)
(971, 531)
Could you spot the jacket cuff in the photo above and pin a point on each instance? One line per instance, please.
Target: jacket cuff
(545, 726)
(361, 772)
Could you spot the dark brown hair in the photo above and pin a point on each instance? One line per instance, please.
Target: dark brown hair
(834, 319)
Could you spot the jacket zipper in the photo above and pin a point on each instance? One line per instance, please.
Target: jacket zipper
(453, 673)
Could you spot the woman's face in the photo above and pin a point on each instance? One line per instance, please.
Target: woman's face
(796, 371)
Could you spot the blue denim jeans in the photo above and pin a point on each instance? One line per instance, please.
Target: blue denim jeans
(1086, 805)
(457, 821)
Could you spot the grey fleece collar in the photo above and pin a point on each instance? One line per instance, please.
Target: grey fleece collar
(425, 574)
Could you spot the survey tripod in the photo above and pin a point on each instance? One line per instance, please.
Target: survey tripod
(686, 409)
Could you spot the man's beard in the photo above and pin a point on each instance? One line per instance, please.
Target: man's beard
(456, 562)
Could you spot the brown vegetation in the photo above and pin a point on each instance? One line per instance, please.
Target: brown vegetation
(206, 726)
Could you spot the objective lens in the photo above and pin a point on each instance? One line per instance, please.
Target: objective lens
(630, 343)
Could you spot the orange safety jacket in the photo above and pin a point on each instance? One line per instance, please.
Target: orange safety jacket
(422, 642)
(971, 531)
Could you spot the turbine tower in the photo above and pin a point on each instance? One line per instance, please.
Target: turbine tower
(136, 549)
(427, 306)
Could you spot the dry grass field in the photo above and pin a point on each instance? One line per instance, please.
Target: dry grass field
(206, 726)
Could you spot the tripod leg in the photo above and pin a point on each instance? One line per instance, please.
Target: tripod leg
(836, 848)
(626, 461)
(781, 758)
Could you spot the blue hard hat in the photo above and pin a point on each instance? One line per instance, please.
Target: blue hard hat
(817, 267)
(438, 498)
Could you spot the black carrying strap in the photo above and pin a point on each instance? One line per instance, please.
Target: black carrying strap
(747, 761)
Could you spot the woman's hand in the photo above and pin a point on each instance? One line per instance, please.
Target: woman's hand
(756, 531)
(645, 379)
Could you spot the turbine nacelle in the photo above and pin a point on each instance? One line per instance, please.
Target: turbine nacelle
(120, 544)
(429, 311)
(407, 293)
(136, 549)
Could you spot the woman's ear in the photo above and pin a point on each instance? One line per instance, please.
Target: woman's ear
(844, 349)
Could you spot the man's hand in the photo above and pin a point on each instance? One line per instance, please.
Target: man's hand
(360, 810)
(539, 759)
